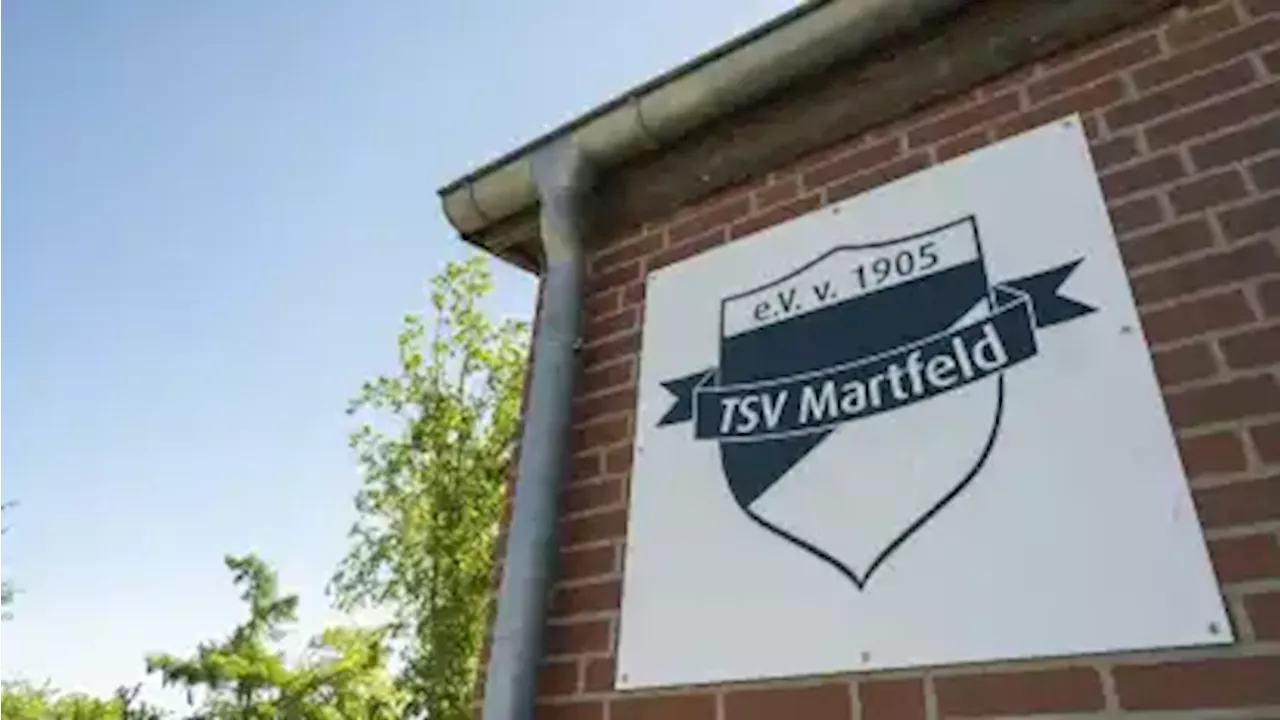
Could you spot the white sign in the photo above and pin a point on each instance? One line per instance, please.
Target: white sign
(918, 427)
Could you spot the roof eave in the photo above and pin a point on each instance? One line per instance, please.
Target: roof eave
(800, 42)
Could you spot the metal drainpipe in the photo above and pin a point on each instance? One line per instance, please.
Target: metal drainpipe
(510, 692)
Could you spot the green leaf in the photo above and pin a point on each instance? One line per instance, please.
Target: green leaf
(432, 489)
(245, 677)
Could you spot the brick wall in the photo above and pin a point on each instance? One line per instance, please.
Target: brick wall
(1183, 113)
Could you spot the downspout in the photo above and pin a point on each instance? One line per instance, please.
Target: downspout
(561, 177)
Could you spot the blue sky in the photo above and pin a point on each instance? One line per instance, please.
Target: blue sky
(218, 213)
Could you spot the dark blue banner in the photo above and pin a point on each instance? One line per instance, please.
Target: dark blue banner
(814, 401)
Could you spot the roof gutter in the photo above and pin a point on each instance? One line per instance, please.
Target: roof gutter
(797, 44)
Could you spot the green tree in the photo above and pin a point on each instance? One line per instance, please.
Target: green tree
(25, 701)
(244, 677)
(434, 454)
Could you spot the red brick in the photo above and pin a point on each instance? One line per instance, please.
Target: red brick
(599, 675)
(1219, 452)
(1240, 263)
(633, 294)
(1269, 295)
(621, 321)
(775, 215)
(1258, 8)
(689, 248)
(962, 144)
(1230, 400)
(1191, 91)
(1266, 173)
(1166, 243)
(855, 162)
(712, 217)
(609, 525)
(780, 191)
(1251, 219)
(576, 638)
(880, 176)
(558, 678)
(1184, 364)
(587, 562)
(1237, 145)
(1244, 558)
(824, 155)
(630, 249)
(964, 119)
(609, 279)
(601, 432)
(1073, 689)
(1197, 317)
(1264, 615)
(936, 109)
(1252, 348)
(1266, 441)
(1114, 151)
(1207, 191)
(591, 496)
(892, 699)
(618, 460)
(598, 354)
(607, 377)
(571, 711)
(1100, 95)
(1199, 684)
(614, 401)
(1213, 116)
(595, 597)
(664, 707)
(1215, 52)
(828, 702)
(1141, 176)
(602, 303)
(1136, 214)
(584, 466)
(1194, 29)
(1239, 503)
(1096, 67)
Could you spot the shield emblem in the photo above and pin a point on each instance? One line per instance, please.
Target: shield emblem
(846, 493)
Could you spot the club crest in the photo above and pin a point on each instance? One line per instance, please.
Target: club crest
(908, 336)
